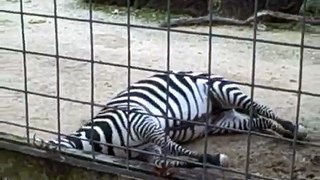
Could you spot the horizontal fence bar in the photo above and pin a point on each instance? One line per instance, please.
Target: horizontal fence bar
(163, 29)
(154, 70)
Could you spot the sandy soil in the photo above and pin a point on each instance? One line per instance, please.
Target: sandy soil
(276, 66)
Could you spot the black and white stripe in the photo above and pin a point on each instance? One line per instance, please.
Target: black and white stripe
(188, 99)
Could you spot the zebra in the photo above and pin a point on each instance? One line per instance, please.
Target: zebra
(150, 124)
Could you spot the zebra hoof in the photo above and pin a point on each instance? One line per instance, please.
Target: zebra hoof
(224, 160)
(218, 159)
(302, 132)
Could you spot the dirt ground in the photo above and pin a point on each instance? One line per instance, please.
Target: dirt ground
(276, 66)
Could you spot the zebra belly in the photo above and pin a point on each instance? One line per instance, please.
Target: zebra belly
(186, 131)
(121, 151)
(229, 119)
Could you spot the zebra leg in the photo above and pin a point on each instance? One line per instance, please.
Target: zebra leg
(155, 149)
(156, 135)
(45, 145)
(161, 166)
(231, 120)
(286, 125)
(290, 126)
(234, 119)
(229, 95)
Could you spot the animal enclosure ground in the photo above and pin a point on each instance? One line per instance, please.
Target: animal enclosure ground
(276, 66)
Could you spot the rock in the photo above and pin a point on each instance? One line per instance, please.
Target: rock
(37, 21)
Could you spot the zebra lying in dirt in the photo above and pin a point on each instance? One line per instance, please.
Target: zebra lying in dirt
(190, 95)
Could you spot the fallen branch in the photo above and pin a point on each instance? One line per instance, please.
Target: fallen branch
(205, 20)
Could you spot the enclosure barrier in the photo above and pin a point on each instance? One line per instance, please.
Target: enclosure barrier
(128, 167)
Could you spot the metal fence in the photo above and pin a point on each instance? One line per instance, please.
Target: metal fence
(129, 67)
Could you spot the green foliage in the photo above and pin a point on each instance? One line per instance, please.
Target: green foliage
(313, 7)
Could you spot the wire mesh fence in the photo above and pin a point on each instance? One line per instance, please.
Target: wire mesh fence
(93, 63)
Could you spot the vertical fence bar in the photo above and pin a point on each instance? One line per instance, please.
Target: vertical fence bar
(129, 78)
(299, 90)
(209, 79)
(57, 68)
(254, 43)
(92, 77)
(168, 17)
(25, 74)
